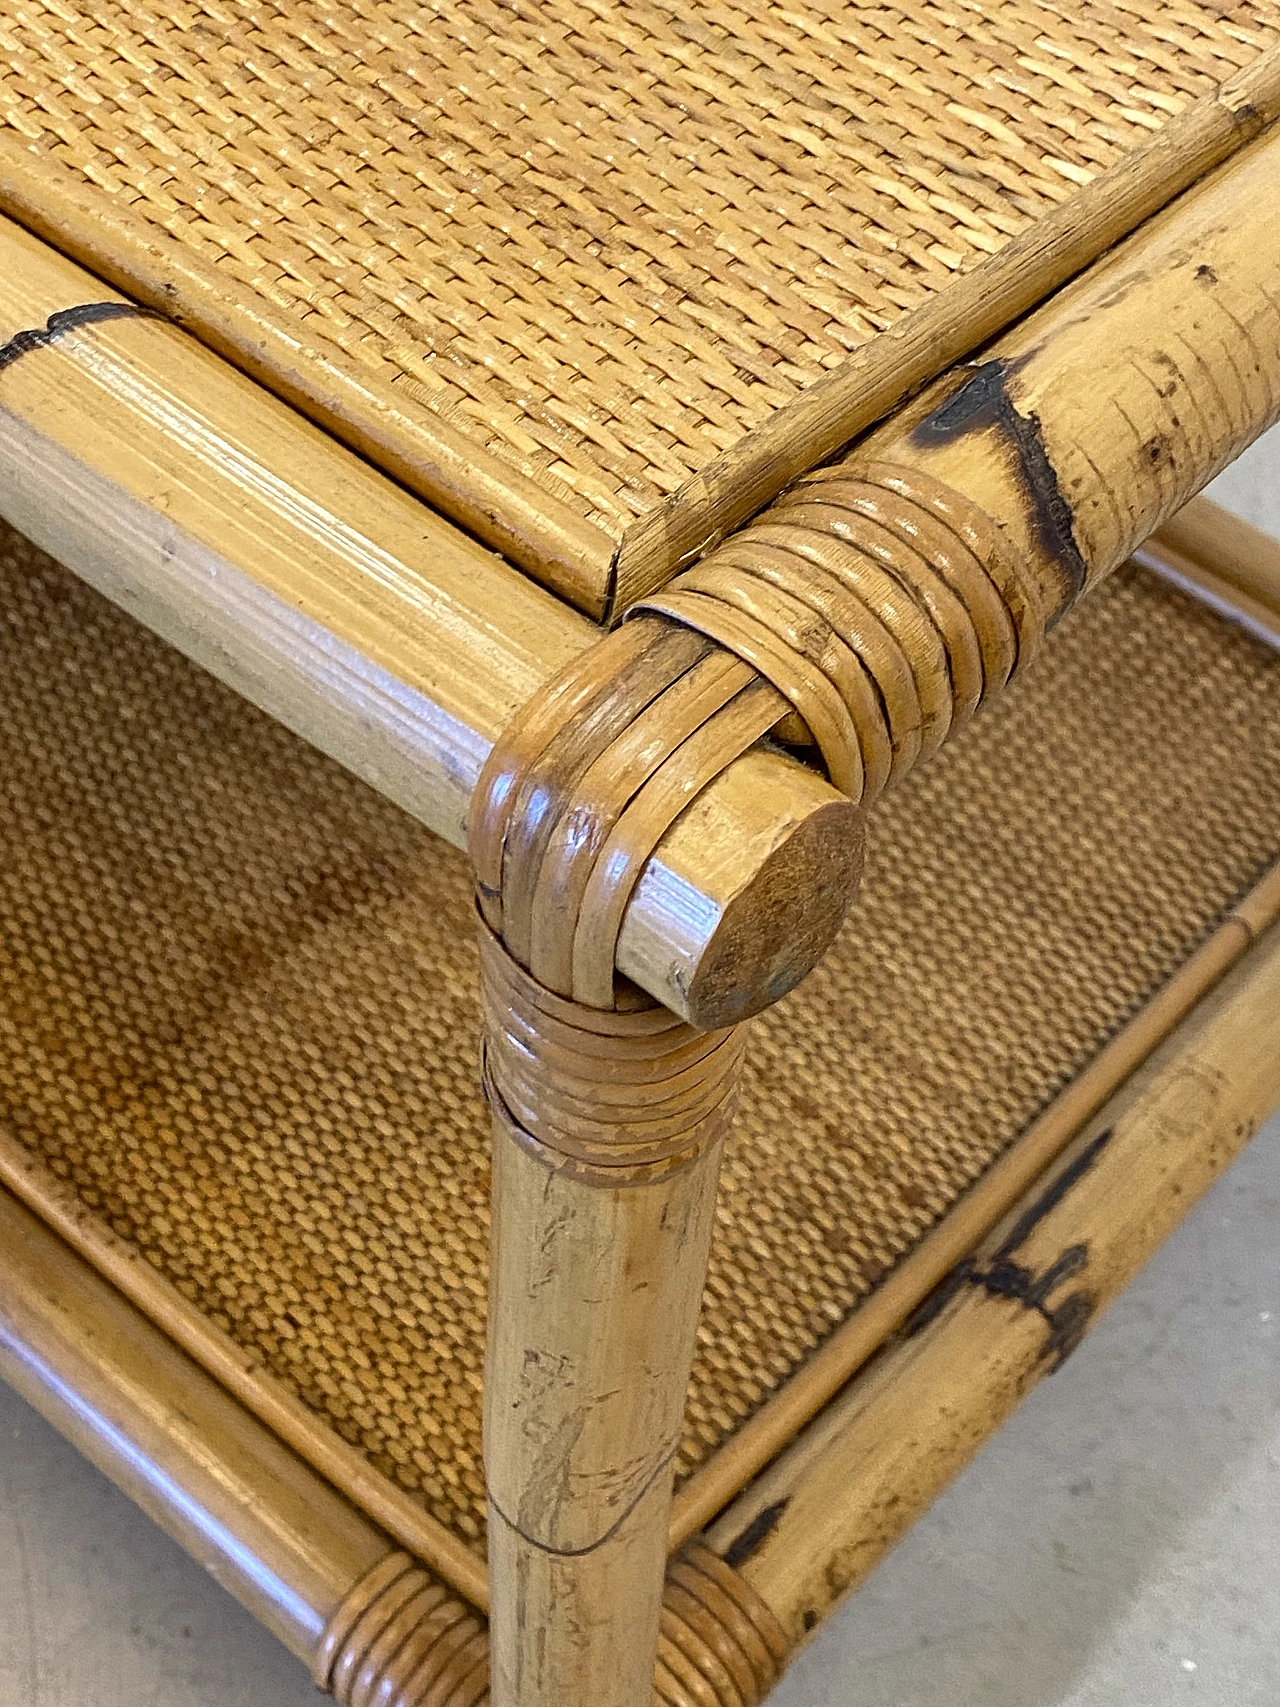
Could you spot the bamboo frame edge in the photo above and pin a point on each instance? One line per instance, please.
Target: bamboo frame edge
(869, 1327)
(821, 1451)
(871, 384)
(255, 1388)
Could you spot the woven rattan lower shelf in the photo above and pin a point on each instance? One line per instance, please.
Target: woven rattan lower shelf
(238, 1021)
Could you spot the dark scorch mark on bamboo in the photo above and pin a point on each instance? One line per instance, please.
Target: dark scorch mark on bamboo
(68, 320)
(1002, 1277)
(982, 404)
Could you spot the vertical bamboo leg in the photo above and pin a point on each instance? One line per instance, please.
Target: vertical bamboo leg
(607, 1138)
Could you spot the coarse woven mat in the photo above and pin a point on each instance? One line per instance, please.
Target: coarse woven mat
(603, 239)
(238, 1007)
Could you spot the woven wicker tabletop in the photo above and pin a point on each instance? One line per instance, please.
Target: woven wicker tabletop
(558, 259)
(239, 1007)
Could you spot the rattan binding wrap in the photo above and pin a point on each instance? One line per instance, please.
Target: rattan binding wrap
(610, 1096)
(558, 264)
(400, 1639)
(891, 593)
(882, 604)
(720, 1643)
(239, 1002)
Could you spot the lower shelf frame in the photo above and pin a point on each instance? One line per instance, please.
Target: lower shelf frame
(375, 1625)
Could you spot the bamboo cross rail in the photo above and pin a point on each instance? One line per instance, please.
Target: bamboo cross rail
(338, 603)
(816, 1523)
(374, 1626)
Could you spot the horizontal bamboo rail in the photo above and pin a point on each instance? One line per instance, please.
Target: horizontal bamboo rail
(262, 1522)
(816, 1524)
(1214, 554)
(343, 1598)
(523, 518)
(349, 611)
(371, 1624)
(766, 1434)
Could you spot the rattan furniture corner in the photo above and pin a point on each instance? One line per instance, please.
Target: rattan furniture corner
(639, 809)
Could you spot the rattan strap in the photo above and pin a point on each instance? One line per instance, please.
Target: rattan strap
(611, 1096)
(583, 785)
(401, 1639)
(882, 605)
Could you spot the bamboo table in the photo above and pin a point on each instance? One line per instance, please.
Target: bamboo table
(623, 444)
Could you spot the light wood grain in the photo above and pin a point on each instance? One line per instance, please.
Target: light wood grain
(819, 1520)
(345, 608)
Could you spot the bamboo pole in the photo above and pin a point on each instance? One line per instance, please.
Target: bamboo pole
(236, 1498)
(816, 1523)
(342, 606)
(1207, 550)
(608, 1130)
(372, 1625)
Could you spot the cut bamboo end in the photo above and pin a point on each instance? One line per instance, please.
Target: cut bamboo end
(329, 597)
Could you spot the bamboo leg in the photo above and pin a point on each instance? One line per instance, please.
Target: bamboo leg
(607, 1139)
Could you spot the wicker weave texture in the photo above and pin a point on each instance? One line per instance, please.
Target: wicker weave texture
(604, 238)
(238, 1003)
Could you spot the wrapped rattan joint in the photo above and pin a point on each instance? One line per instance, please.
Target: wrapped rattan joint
(888, 595)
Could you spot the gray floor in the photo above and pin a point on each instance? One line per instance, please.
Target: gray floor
(1118, 1545)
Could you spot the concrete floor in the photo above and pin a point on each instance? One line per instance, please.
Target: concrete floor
(1117, 1545)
